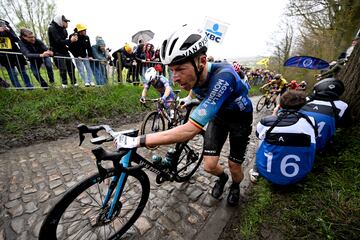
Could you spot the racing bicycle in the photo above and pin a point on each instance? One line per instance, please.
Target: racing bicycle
(106, 204)
(160, 119)
(268, 100)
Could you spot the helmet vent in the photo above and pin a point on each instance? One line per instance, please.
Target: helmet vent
(172, 46)
(163, 49)
(193, 38)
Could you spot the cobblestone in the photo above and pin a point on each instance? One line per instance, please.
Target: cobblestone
(33, 178)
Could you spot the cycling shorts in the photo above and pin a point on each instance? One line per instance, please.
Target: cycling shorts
(235, 124)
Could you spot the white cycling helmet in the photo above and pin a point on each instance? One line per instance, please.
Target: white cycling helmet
(150, 74)
(183, 45)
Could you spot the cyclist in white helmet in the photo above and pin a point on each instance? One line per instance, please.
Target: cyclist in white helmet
(161, 84)
(225, 108)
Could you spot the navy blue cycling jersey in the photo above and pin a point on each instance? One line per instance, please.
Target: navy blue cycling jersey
(223, 90)
(324, 114)
(286, 154)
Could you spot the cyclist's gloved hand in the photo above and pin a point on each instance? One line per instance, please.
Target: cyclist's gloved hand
(123, 141)
(185, 101)
(142, 100)
(163, 99)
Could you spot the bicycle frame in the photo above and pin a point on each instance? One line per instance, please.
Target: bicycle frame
(124, 163)
(119, 181)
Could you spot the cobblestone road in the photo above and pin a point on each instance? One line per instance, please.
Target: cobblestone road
(33, 178)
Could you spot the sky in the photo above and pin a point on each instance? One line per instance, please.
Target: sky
(251, 23)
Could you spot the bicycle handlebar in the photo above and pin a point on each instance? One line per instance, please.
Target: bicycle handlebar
(101, 139)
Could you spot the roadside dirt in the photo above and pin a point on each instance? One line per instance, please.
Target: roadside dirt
(45, 133)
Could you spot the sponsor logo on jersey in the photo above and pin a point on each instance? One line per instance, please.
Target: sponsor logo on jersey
(216, 93)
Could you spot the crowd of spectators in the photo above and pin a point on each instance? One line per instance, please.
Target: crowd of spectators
(68, 51)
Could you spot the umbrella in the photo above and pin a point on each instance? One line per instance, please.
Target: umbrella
(145, 35)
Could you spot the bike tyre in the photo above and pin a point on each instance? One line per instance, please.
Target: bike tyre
(50, 225)
(261, 103)
(150, 118)
(186, 151)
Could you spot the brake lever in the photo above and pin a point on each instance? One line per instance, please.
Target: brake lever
(85, 129)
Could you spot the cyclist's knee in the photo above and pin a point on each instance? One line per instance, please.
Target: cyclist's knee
(211, 163)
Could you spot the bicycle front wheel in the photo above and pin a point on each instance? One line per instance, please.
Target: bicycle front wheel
(191, 155)
(261, 103)
(153, 122)
(79, 213)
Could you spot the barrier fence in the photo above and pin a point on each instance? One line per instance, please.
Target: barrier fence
(16, 72)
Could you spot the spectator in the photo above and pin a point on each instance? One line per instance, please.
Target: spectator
(8, 40)
(287, 144)
(140, 57)
(82, 49)
(126, 58)
(59, 45)
(99, 50)
(327, 109)
(37, 53)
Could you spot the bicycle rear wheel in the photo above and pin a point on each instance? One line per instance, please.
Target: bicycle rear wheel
(191, 155)
(261, 103)
(78, 214)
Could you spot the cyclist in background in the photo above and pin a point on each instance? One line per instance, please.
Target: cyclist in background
(238, 69)
(162, 85)
(279, 85)
(225, 108)
(293, 85)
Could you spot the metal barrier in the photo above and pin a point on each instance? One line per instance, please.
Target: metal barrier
(40, 73)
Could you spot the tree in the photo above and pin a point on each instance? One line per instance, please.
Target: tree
(350, 75)
(33, 14)
(283, 48)
(326, 26)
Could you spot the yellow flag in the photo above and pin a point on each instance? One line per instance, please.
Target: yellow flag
(264, 61)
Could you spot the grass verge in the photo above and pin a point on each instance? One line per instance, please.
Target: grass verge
(23, 109)
(325, 205)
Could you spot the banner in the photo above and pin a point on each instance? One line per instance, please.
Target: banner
(215, 30)
(306, 62)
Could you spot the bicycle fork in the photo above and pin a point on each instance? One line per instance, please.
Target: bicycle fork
(119, 183)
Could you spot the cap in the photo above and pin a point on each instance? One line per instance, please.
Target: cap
(65, 19)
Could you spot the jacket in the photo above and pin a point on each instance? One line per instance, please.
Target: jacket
(8, 43)
(33, 51)
(58, 39)
(82, 47)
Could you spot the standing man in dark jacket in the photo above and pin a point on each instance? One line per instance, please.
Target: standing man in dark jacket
(8, 40)
(59, 44)
(37, 53)
(82, 49)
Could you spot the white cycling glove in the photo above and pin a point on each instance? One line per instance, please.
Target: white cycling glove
(123, 141)
(185, 101)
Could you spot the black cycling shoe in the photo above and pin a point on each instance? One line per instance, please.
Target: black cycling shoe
(234, 195)
(218, 188)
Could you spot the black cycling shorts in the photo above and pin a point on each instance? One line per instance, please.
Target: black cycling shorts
(235, 124)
